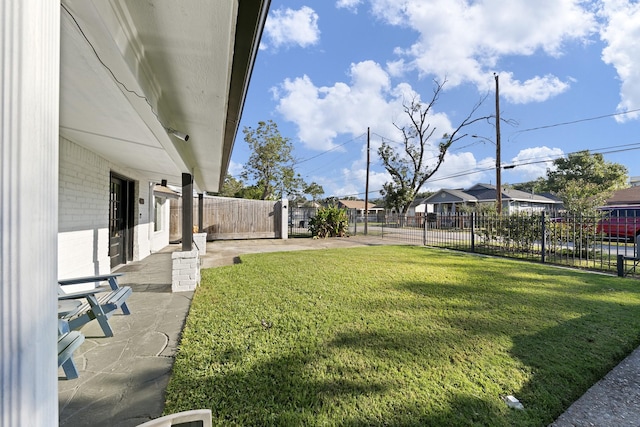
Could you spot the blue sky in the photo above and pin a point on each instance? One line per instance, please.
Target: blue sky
(327, 70)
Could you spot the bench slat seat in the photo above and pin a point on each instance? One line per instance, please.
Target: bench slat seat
(99, 303)
(68, 342)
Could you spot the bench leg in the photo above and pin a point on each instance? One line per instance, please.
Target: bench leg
(125, 308)
(103, 321)
(70, 369)
(101, 317)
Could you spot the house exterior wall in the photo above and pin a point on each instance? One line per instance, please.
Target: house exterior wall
(83, 239)
(160, 237)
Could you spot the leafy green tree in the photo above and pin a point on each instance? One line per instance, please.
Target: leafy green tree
(236, 188)
(271, 162)
(330, 201)
(410, 166)
(584, 181)
(314, 190)
(231, 187)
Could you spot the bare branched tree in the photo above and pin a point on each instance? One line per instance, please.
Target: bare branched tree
(409, 166)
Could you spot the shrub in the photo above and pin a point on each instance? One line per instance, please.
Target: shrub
(329, 222)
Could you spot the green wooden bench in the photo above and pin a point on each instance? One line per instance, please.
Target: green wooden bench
(99, 303)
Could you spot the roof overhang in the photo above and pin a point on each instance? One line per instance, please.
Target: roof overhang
(132, 69)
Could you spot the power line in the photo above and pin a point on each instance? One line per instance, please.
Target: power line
(327, 151)
(576, 121)
(533, 160)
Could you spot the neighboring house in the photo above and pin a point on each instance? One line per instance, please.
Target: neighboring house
(451, 201)
(419, 207)
(634, 181)
(359, 207)
(98, 97)
(626, 196)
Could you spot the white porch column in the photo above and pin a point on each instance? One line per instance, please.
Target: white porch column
(29, 96)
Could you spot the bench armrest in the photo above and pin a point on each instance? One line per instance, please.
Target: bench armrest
(111, 278)
(84, 294)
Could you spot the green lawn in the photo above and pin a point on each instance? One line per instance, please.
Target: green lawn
(398, 336)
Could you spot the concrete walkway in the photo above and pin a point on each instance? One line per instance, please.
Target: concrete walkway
(123, 378)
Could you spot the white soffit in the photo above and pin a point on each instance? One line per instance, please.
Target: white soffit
(156, 64)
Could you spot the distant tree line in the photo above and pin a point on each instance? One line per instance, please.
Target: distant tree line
(582, 180)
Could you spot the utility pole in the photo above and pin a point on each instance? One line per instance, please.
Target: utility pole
(366, 186)
(498, 178)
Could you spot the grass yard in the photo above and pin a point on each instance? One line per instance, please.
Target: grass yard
(398, 336)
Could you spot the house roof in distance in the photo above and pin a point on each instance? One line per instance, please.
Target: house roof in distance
(486, 192)
(626, 196)
(356, 204)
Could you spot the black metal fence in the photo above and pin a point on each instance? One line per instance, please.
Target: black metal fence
(601, 242)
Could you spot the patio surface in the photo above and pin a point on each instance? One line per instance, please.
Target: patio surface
(123, 378)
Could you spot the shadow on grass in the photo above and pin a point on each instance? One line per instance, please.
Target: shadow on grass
(567, 359)
(282, 392)
(279, 391)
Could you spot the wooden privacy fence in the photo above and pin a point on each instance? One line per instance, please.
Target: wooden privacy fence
(226, 218)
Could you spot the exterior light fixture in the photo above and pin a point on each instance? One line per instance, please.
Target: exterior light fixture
(180, 135)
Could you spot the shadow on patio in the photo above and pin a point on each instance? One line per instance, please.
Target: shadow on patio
(123, 378)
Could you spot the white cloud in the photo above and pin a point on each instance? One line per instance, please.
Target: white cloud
(352, 182)
(465, 41)
(621, 33)
(288, 27)
(532, 163)
(234, 169)
(322, 113)
(460, 170)
(348, 4)
(369, 100)
(536, 89)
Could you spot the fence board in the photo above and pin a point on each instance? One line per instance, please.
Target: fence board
(228, 218)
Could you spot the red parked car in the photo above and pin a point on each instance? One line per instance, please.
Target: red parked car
(620, 222)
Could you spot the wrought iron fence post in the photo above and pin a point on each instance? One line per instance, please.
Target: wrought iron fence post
(473, 231)
(620, 265)
(424, 230)
(544, 237)
(354, 214)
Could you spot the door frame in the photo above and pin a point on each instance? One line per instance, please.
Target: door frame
(127, 195)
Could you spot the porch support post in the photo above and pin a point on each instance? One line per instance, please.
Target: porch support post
(185, 275)
(29, 126)
(187, 212)
(200, 212)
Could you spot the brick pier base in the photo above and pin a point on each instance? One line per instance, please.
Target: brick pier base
(186, 271)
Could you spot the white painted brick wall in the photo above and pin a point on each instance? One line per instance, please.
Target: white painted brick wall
(83, 238)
